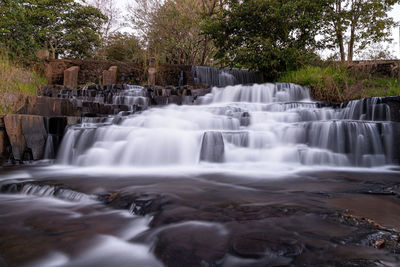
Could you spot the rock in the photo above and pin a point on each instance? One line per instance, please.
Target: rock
(110, 75)
(27, 135)
(71, 77)
(212, 147)
(15, 135)
(49, 107)
(73, 120)
(259, 244)
(56, 125)
(4, 142)
(379, 244)
(245, 119)
(35, 134)
(192, 244)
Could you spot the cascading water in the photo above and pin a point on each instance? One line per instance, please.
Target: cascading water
(224, 77)
(261, 126)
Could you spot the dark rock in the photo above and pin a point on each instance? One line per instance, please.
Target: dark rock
(35, 134)
(56, 125)
(245, 119)
(51, 107)
(396, 142)
(260, 244)
(394, 104)
(212, 147)
(192, 244)
(4, 142)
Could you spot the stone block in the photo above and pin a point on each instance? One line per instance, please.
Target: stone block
(35, 134)
(110, 75)
(71, 77)
(4, 143)
(27, 135)
(15, 135)
(50, 107)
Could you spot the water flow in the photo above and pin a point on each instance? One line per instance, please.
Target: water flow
(261, 126)
(224, 77)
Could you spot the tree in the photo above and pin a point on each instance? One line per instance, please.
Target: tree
(112, 12)
(68, 28)
(355, 24)
(123, 47)
(16, 30)
(266, 35)
(171, 29)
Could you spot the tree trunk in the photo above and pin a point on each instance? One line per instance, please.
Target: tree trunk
(356, 9)
(351, 46)
(339, 30)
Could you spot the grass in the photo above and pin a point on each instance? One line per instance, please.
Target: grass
(16, 83)
(339, 83)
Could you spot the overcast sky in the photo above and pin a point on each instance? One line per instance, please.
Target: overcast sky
(395, 13)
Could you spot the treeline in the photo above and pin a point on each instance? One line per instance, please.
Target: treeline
(272, 36)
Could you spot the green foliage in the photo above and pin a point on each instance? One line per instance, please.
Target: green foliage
(353, 25)
(15, 84)
(271, 36)
(171, 29)
(123, 47)
(337, 82)
(68, 28)
(326, 83)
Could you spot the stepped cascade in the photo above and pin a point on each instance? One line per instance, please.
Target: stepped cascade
(224, 77)
(260, 125)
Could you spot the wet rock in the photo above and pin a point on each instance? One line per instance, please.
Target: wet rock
(56, 125)
(379, 244)
(192, 244)
(139, 204)
(212, 147)
(245, 119)
(260, 244)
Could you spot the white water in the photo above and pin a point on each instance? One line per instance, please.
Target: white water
(262, 127)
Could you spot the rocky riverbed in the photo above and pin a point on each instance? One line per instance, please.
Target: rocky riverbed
(55, 216)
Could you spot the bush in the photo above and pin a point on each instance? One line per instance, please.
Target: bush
(16, 83)
(336, 82)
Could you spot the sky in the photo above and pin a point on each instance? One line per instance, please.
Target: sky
(395, 13)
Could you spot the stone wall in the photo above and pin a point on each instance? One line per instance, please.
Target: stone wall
(91, 71)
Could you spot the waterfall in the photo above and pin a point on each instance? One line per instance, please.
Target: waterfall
(263, 125)
(223, 77)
